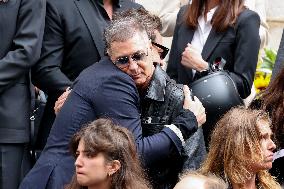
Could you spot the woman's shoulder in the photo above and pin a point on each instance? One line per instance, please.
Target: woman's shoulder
(181, 13)
(248, 14)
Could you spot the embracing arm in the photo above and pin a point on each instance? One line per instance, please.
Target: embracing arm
(26, 43)
(119, 100)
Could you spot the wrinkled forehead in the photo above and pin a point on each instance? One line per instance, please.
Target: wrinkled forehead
(136, 43)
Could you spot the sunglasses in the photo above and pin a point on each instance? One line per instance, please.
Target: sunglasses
(123, 61)
(164, 49)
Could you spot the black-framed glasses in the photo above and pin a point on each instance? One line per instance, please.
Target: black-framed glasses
(124, 61)
(164, 49)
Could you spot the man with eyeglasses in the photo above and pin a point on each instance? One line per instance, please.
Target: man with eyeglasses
(103, 90)
(161, 99)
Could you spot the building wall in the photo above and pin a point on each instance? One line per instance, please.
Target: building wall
(275, 20)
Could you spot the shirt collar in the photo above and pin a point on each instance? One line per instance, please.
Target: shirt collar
(209, 15)
(157, 87)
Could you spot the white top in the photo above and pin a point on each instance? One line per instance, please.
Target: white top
(278, 154)
(202, 32)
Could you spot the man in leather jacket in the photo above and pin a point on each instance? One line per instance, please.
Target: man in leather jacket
(161, 99)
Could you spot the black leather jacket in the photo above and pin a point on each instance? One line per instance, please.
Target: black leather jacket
(163, 105)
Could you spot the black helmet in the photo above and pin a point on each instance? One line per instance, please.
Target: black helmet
(218, 93)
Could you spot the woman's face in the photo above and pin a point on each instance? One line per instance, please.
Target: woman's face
(267, 147)
(91, 170)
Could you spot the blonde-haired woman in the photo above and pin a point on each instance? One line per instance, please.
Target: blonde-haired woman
(241, 150)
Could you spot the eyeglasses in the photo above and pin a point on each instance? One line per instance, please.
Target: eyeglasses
(164, 49)
(123, 61)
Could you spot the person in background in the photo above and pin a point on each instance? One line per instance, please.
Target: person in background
(73, 40)
(166, 10)
(195, 180)
(241, 150)
(272, 101)
(212, 29)
(259, 7)
(21, 31)
(106, 158)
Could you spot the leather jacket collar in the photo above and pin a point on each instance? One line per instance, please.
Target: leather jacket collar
(157, 87)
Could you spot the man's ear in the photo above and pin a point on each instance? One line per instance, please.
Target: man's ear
(114, 166)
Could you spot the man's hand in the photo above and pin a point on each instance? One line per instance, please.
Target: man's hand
(4, 1)
(195, 106)
(60, 101)
(191, 58)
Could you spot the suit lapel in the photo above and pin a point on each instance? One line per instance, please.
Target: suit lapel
(86, 9)
(211, 43)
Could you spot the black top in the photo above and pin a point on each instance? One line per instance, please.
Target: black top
(21, 31)
(73, 40)
(163, 105)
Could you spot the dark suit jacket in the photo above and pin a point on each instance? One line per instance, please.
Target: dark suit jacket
(279, 63)
(238, 45)
(21, 30)
(101, 90)
(73, 40)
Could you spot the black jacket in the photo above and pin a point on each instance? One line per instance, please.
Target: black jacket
(238, 45)
(21, 30)
(162, 105)
(73, 40)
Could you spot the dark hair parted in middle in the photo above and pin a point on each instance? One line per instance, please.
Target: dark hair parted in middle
(226, 14)
(115, 143)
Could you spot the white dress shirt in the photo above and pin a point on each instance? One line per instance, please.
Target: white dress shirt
(202, 32)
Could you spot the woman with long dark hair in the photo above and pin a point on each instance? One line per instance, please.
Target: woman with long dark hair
(106, 158)
(208, 30)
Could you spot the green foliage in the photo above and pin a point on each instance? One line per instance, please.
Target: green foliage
(264, 69)
(267, 61)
